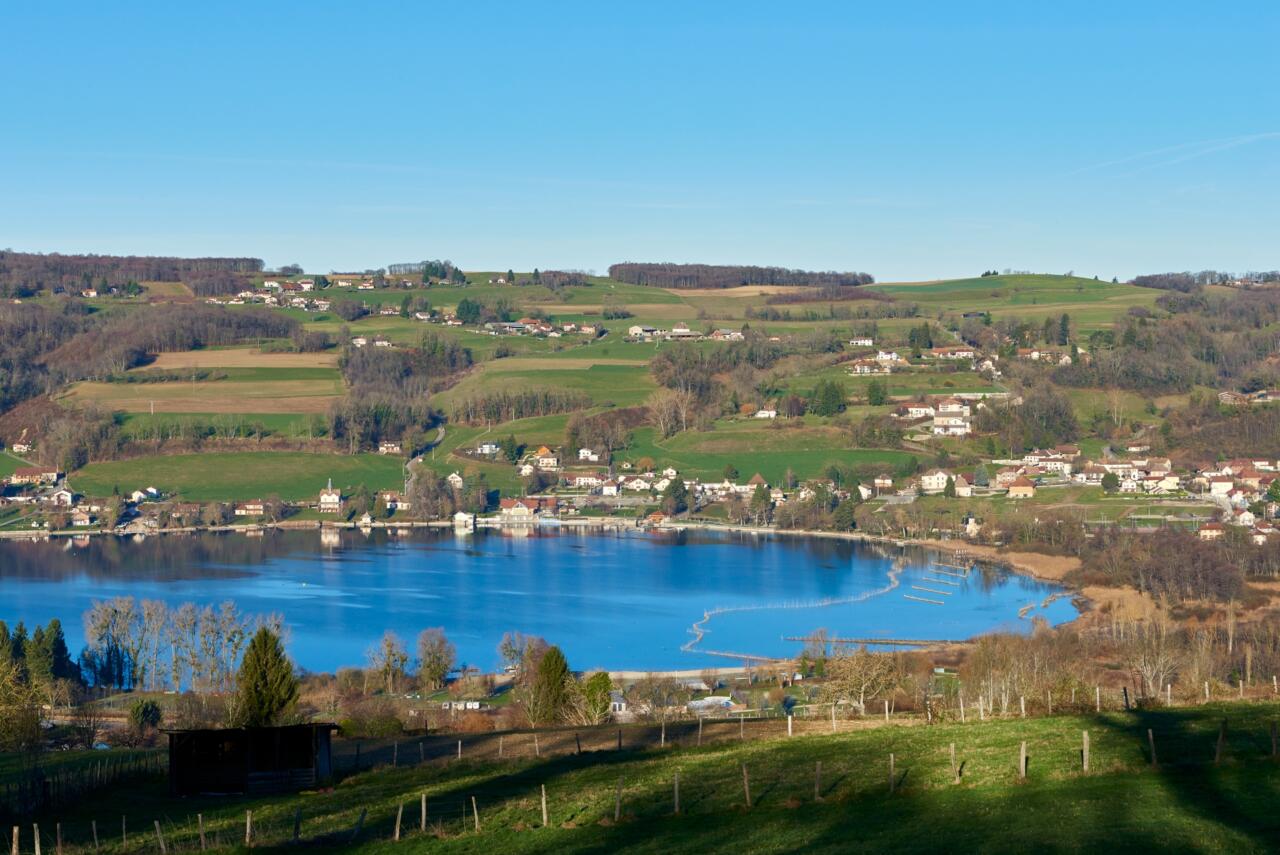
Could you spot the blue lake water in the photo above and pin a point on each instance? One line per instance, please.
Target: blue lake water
(619, 600)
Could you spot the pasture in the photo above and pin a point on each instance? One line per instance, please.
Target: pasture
(234, 476)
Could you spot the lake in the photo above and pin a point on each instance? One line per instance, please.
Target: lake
(622, 600)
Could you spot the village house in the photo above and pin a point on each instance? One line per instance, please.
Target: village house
(1022, 488)
(394, 500)
(488, 448)
(964, 489)
(888, 356)
(254, 508)
(934, 481)
(956, 352)
(588, 455)
(81, 518)
(767, 413)
(1212, 531)
(883, 482)
(389, 446)
(680, 330)
(863, 367)
(330, 499)
(586, 480)
(609, 488)
(915, 410)
(862, 341)
(526, 509)
(546, 459)
(455, 480)
(727, 335)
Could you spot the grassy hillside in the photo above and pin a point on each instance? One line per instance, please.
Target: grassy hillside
(1121, 804)
(293, 476)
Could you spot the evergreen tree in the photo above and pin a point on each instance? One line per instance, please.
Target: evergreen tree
(1110, 482)
(537, 277)
(675, 498)
(1064, 329)
(549, 690)
(949, 490)
(511, 276)
(761, 505)
(842, 518)
(404, 306)
(877, 394)
(730, 472)
(266, 687)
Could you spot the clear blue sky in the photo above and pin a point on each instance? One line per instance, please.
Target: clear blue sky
(910, 140)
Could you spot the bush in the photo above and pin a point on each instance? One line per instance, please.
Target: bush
(373, 718)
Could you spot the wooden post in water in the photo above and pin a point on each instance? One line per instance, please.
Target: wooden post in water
(544, 806)
(422, 754)
(1151, 743)
(619, 739)
(746, 785)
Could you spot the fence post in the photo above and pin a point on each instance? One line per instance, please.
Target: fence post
(422, 754)
(676, 793)
(395, 754)
(742, 726)
(955, 770)
(619, 739)
(422, 812)
(475, 814)
(1097, 698)
(1084, 752)
(160, 836)
(297, 824)
(1206, 691)
(699, 730)
(617, 802)
(1168, 694)
(460, 748)
(500, 747)
(93, 824)
(544, 805)
(248, 828)
(399, 816)
(35, 829)
(57, 838)
(199, 827)
(1151, 743)
(1273, 738)
(789, 724)
(359, 826)
(124, 830)
(1049, 700)
(746, 785)
(1022, 760)
(537, 752)
(664, 734)
(817, 781)
(577, 739)
(833, 717)
(1222, 743)
(892, 775)
(962, 708)
(14, 849)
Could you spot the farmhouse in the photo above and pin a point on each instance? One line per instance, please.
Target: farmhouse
(869, 366)
(934, 481)
(34, 475)
(545, 459)
(389, 446)
(863, 341)
(589, 455)
(455, 480)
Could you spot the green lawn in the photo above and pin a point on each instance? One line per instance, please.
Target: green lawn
(231, 476)
(135, 425)
(1122, 804)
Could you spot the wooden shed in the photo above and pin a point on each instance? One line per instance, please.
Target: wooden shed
(250, 760)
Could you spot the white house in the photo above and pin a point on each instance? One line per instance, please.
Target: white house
(330, 499)
(588, 455)
(455, 480)
(934, 481)
(766, 414)
(864, 341)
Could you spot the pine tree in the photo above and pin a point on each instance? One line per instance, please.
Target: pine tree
(549, 691)
(266, 687)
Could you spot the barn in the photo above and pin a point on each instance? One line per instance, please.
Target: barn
(250, 760)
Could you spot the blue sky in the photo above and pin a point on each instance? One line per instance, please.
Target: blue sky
(915, 140)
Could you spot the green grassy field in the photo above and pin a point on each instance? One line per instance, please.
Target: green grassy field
(230, 476)
(1122, 804)
(144, 425)
(9, 462)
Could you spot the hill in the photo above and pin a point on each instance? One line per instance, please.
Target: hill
(1123, 803)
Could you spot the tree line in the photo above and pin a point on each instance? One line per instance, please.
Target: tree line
(23, 274)
(667, 275)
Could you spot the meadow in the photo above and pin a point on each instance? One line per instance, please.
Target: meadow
(811, 793)
(237, 476)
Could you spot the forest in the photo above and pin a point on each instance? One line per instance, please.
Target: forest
(666, 275)
(23, 274)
